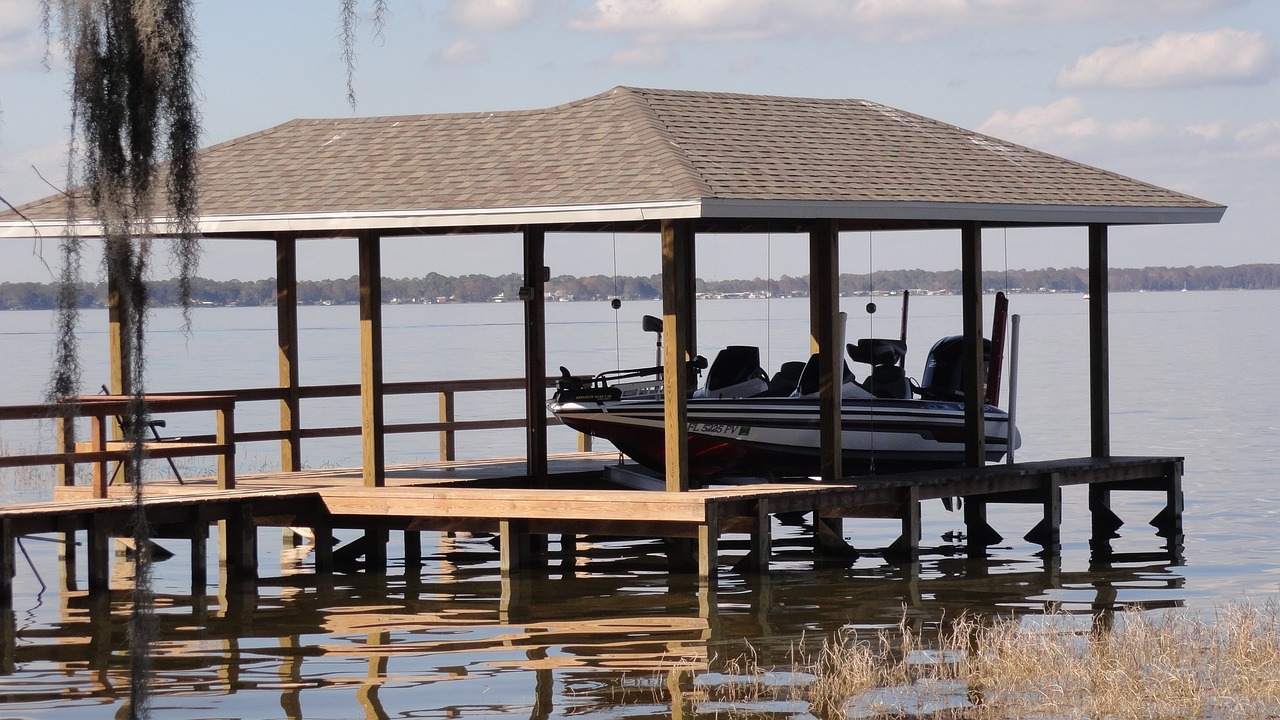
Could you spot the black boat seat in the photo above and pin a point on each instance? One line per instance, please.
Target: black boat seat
(808, 384)
(888, 381)
(736, 372)
(786, 380)
(877, 351)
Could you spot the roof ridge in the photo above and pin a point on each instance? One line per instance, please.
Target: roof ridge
(670, 147)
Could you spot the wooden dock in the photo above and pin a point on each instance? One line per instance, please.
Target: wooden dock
(586, 495)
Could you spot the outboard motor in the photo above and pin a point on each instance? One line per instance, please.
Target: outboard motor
(943, 369)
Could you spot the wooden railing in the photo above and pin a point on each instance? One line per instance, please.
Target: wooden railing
(99, 451)
(447, 425)
(102, 409)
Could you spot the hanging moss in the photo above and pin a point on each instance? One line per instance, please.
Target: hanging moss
(135, 135)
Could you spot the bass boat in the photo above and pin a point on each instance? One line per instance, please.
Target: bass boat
(744, 422)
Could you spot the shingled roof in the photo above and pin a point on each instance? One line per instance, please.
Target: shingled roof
(635, 155)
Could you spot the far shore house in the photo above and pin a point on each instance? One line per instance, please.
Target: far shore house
(634, 160)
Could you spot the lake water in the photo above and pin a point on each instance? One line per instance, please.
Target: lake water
(611, 634)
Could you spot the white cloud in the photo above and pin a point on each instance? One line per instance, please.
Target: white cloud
(18, 16)
(21, 42)
(1065, 127)
(708, 20)
(1175, 60)
(462, 52)
(1261, 139)
(1039, 126)
(868, 20)
(489, 14)
(648, 56)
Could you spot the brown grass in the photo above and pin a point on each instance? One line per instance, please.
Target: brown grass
(1170, 665)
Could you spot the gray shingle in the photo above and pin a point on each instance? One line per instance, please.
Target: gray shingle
(637, 146)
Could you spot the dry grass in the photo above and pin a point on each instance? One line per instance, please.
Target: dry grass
(1174, 665)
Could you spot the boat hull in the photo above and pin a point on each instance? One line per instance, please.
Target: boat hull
(780, 436)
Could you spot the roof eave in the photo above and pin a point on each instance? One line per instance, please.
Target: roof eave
(945, 212)
(428, 221)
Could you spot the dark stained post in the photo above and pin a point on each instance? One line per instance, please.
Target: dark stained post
(535, 353)
(677, 314)
(975, 451)
(824, 339)
(287, 344)
(1099, 346)
(7, 568)
(371, 415)
(118, 336)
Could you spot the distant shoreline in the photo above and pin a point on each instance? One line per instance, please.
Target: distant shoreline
(436, 288)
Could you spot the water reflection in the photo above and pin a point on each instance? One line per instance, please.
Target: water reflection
(603, 630)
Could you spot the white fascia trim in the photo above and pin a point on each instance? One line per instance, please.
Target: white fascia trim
(960, 212)
(338, 222)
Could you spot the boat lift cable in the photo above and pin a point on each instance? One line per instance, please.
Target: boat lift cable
(871, 325)
(616, 302)
(768, 300)
(1006, 261)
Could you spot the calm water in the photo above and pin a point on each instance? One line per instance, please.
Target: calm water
(609, 633)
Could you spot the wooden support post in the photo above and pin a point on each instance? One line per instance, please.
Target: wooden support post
(1104, 522)
(287, 353)
(709, 546)
(8, 569)
(199, 553)
(323, 545)
(677, 319)
(225, 434)
(67, 556)
(513, 545)
(98, 555)
(98, 442)
(448, 447)
(412, 552)
(906, 549)
(372, 424)
(1168, 522)
(761, 539)
(975, 451)
(1099, 346)
(238, 544)
(824, 339)
(375, 551)
(8, 641)
(535, 355)
(978, 533)
(1048, 532)
(65, 433)
(118, 338)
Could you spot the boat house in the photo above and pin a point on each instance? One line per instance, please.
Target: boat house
(669, 162)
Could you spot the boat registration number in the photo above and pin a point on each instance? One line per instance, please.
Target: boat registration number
(719, 429)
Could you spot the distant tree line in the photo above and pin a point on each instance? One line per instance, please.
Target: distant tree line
(436, 288)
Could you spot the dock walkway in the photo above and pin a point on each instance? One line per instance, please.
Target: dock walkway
(579, 499)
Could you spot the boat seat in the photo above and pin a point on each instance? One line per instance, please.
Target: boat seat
(888, 381)
(786, 380)
(808, 384)
(877, 351)
(736, 372)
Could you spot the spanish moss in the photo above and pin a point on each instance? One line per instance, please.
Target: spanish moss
(133, 117)
(349, 19)
(135, 136)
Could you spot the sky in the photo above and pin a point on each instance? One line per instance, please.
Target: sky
(1180, 93)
